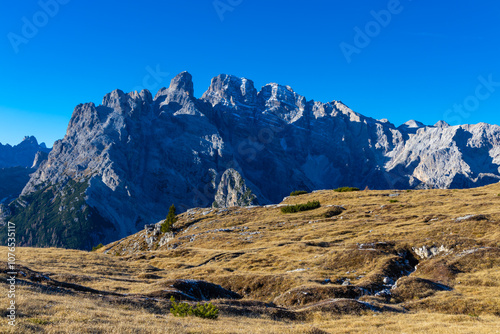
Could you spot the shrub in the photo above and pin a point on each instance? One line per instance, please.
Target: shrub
(205, 311)
(346, 189)
(180, 309)
(97, 247)
(166, 226)
(393, 201)
(298, 192)
(301, 207)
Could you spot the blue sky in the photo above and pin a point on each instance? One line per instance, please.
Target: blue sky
(418, 59)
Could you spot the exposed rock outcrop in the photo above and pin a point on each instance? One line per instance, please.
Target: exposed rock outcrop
(232, 191)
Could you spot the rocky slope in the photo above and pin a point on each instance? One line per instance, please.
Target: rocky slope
(136, 154)
(16, 164)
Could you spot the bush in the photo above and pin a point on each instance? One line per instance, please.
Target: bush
(97, 247)
(205, 311)
(298, 192)
(300, 207)
(180, 309)
(166, 226)
(346, 189)
(393, 201)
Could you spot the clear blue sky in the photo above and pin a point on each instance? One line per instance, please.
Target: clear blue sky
(428, 58)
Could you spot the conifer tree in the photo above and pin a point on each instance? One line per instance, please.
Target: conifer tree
(171, 219)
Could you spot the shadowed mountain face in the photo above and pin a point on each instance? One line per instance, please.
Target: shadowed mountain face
(135, 155)
(21, 155)
(16, 164)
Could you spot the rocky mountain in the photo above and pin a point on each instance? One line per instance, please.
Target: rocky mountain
(16, 164)
(22, 154)
(121, 164)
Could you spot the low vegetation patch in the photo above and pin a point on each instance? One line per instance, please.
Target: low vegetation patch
(38, 321)
(298, 192)
(97, 247)
(346, 189)
(311, 205)
(204, 311)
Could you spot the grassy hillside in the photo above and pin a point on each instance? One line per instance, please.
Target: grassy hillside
(425, 261)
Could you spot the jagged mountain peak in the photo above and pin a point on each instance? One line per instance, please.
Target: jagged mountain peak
(22, 154)
(275, 90)
(183, 81)
(412, 124)
(117, 99)
(282, 101)
(231, 90)
(441, 124)
(144, 95)
(16, 164)
(29, 140)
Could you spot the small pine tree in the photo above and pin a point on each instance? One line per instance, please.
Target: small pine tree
(171, 219)
(97, 247)
(205, 311)
(180, 309)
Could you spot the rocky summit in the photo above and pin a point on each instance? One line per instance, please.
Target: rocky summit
(121, 164)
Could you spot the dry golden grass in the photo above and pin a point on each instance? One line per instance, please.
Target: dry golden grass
(53, 313)
(268, 256)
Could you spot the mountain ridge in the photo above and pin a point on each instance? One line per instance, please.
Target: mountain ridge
(138, 154)
(16, 164)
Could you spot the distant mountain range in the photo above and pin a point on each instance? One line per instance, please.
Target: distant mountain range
(123, 163)
(16, 164)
